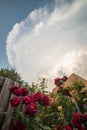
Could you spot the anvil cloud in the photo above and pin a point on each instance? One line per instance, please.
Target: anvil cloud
(50, 42)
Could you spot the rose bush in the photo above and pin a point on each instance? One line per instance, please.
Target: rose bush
(72, 115)
(27, 108)
(63, 110)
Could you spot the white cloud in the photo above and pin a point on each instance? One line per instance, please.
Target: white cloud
(71, 62)
(50, 42)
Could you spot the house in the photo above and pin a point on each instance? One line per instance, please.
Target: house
(71, 80)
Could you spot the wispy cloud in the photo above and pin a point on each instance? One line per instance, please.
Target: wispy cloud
(49, 42)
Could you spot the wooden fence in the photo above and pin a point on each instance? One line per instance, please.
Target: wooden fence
(5, 96)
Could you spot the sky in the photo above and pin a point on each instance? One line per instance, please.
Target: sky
(45, 38)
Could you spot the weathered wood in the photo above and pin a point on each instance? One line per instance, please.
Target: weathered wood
(4, 98)
(8, 118)
(1, 82)
(4, 95)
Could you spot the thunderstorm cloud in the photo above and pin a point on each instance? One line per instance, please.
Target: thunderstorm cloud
(50, 42)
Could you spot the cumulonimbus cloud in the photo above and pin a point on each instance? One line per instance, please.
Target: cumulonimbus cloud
(46, 42)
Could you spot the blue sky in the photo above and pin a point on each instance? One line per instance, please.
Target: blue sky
(44, 37)
(11, 12)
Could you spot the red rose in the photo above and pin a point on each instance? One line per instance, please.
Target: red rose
(31, 109)
(13, 88)
(36, 96)
(64, 78)
(83, 117)
(67, 93)
(82, 128)
(18, 126)
(58, 82)
(59, 127)
(68, 127)
(76, 120)
(15, 101)
(44, 100)
(25, 91)
(27, 99)
(16, 90)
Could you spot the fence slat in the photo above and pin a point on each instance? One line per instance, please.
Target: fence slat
(7, 121)
(4, 98)
(1, 80)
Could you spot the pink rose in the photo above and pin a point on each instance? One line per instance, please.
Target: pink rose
(15, 101)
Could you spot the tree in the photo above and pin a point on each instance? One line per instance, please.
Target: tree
(12, 74)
